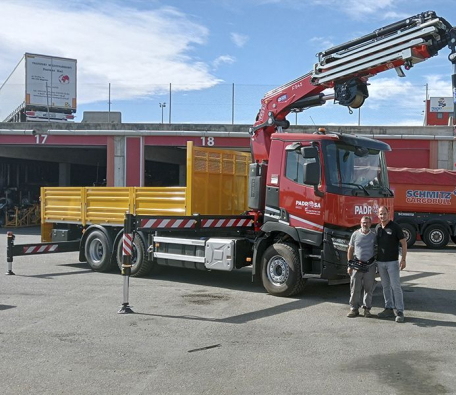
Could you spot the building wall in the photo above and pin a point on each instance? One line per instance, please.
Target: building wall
(127, 146)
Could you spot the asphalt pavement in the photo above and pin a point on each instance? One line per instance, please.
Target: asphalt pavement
(199, 332)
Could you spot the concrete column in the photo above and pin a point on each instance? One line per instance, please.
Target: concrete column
(444, 156)
(125, 161)
(119, 162)
(64, 174)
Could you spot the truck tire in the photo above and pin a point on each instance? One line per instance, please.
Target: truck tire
(140, 265)
(281, 270)
(436, 236)
(409, 233)
(98, 251)
(453, 238)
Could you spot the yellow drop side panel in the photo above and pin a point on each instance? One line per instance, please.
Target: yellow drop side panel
(219, 181)
(107, 205)
(159, 201)
(65, 204)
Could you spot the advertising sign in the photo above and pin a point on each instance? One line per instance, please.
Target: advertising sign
(441, 104)
(50, 81)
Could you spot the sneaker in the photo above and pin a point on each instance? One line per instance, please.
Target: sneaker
(353, 313)
(367, 313)
(387, 313)
(400, 317)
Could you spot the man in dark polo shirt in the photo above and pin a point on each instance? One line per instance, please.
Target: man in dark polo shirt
(389, 238)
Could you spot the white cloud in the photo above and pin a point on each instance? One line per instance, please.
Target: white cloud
(400, 92)
(359, 9)
(223, 59)
(439, 85)
(239, 39)
(138, 51)
(322, 42)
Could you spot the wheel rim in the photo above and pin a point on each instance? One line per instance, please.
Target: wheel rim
(96, 250)
(277, 270)
(436, 236)
(407, 234)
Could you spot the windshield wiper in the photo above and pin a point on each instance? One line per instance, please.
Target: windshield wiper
(356, 185)
(384, 189)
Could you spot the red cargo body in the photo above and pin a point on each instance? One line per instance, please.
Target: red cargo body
(423, 190)
(425, 204)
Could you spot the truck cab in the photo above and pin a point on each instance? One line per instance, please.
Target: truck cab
(317, 188)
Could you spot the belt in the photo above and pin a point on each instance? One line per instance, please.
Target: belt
(362, 266)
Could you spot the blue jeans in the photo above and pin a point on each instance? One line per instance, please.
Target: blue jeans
(391, 283)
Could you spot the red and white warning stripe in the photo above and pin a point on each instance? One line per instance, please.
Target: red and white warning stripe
(168, 223)
(190, 223)
(226, 223)
(41, 249)
(127, 244)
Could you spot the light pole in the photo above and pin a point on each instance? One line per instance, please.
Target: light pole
(162, 106)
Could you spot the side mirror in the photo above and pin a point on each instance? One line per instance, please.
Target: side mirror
(309, 152)
(311, 173)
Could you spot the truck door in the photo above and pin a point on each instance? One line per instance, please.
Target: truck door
(305, 209)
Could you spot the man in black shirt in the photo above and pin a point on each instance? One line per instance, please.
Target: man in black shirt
(389, 238)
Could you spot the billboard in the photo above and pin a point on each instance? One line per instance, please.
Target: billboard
(50, 81)
(441, 104)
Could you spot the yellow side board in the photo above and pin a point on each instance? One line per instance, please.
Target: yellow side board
(217, 182)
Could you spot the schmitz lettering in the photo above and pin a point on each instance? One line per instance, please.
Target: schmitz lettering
(428, 197)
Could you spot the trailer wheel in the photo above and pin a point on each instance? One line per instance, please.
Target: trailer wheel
(140, 265)
(436, 236)
(281, 270)
(98, 250)
(409, 233)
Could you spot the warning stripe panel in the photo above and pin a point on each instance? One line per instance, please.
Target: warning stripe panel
(127, 244)
(40, 249)
(226, 223)
(167, 223)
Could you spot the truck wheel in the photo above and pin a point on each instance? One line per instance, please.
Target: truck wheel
(409, 233)
(453, 238)
(98, 250)
(281, 270)
(436, 236)
(140, 265)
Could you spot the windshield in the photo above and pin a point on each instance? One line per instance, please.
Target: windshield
(355, 168)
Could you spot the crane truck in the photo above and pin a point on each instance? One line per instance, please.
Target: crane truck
(306, 192)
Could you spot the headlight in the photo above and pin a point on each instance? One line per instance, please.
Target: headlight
(340, 244)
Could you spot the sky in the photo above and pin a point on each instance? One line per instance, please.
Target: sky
(211, 61)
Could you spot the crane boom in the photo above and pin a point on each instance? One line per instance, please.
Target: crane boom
(346, 69)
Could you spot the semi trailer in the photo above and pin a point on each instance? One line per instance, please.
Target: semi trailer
(425, 204)
(40, 88)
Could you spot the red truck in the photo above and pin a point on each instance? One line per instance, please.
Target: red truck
(425, 204)
(307, 192)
